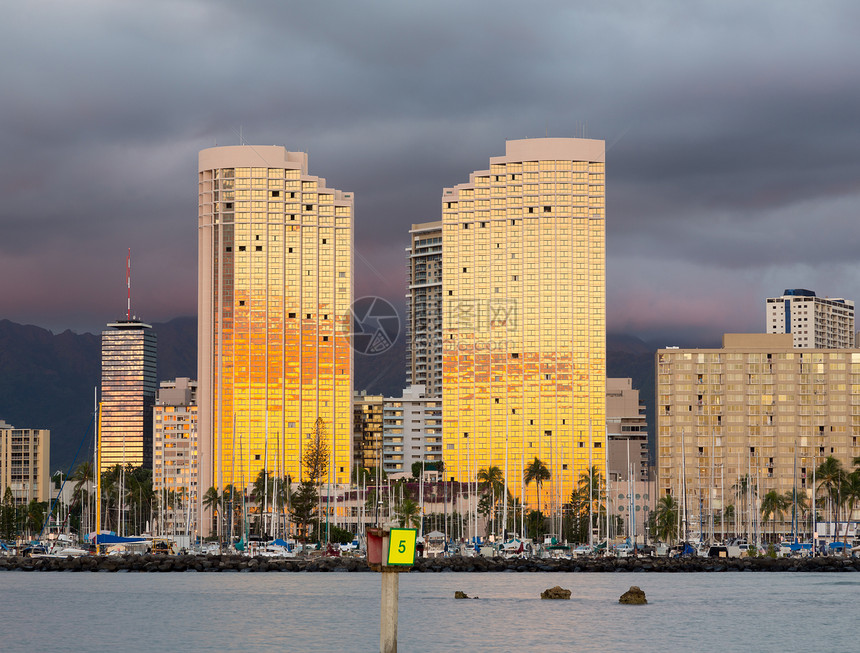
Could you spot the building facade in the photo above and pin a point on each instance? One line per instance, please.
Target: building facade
(367, 430)
(274, 299)
(424, 308)
(626, 433)
(24, 458)
(128, 387)
(523, 349)
(411, 430)
(814, 322)
(754, 416)
(175, 470)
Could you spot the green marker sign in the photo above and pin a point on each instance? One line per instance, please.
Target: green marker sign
(401, 547)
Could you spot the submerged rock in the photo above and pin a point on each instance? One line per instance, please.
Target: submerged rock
(555, 593)
(633, 596)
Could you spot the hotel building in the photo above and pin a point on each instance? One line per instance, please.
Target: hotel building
(24, 458)
(411, 430)
(814, 322)
(424, 308)
(367, 430)
(626, 433)
(128, 387)
(274, 298)
(757, 408)
(174, 439)
(523, 348)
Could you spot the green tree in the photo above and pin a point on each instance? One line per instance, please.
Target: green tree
(408, 512)
(8, 516)
(535, 524)
(850, 492)
(304, 508)
(212, 503)
(83, 479)
(590, 486)
(538, 472)
(665, 519)
(315, 459)
(773, 506)
(36, 516)
(491, 481)
(830, 475)
(797, 501)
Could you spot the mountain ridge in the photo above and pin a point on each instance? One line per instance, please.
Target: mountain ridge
(47, 380)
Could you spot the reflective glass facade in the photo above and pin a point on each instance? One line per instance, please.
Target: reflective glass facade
(275, 290)
(127, 394)
(524, 363)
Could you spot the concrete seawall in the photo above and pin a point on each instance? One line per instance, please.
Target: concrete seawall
(228, 563)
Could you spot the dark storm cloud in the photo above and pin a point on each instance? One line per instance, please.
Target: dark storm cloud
(731, 128)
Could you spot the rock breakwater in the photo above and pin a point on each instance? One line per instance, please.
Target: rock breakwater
(236, 563)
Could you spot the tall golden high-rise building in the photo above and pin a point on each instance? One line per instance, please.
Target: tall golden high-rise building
(524, 333)
(274, 298)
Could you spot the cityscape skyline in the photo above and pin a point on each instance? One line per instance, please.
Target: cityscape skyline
(733, 169)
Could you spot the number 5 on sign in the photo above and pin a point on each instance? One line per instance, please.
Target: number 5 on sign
(401, 547)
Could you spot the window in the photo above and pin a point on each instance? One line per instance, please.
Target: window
(259, 248)
(547, 209)
(241, 248)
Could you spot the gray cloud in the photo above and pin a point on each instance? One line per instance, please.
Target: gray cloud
(732, 133)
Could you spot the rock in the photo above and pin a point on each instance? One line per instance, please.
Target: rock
(555, 593)
(633, 596)
(460, 595)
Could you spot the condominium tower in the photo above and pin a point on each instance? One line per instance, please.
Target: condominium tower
(24, 458)
(814, 322)
(424, 308)
(128, 387)
(175, 467)
(757, 414)
(524, 364)
(274, 297)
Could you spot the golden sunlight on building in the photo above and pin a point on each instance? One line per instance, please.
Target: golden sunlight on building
(524, 362)
(275, 290)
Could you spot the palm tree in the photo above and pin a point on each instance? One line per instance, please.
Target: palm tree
(493, 480)
(589, 485)
(83, 478)
(798, 502)
(408, 512)
(773, 506)
(830, 475)
(850, 491)
(538, 472)
(212, 502)
(665, 518)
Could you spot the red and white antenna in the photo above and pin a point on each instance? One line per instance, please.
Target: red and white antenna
(128, 282)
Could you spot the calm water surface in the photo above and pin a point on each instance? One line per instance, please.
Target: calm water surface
(340, 612)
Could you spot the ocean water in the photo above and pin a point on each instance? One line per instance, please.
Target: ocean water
(340, 612)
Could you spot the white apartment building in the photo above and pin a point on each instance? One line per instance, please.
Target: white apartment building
(814, 322)
(411, 430)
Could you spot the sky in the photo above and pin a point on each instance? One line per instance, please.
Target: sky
(732, 131)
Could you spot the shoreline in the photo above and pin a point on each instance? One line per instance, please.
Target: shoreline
(235, 563)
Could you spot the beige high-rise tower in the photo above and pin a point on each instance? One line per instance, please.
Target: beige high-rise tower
(523, 285)
(274, 298)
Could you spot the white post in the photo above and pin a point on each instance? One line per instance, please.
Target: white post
(388, 612)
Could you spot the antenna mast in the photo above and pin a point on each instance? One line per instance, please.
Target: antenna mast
(128, 283)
